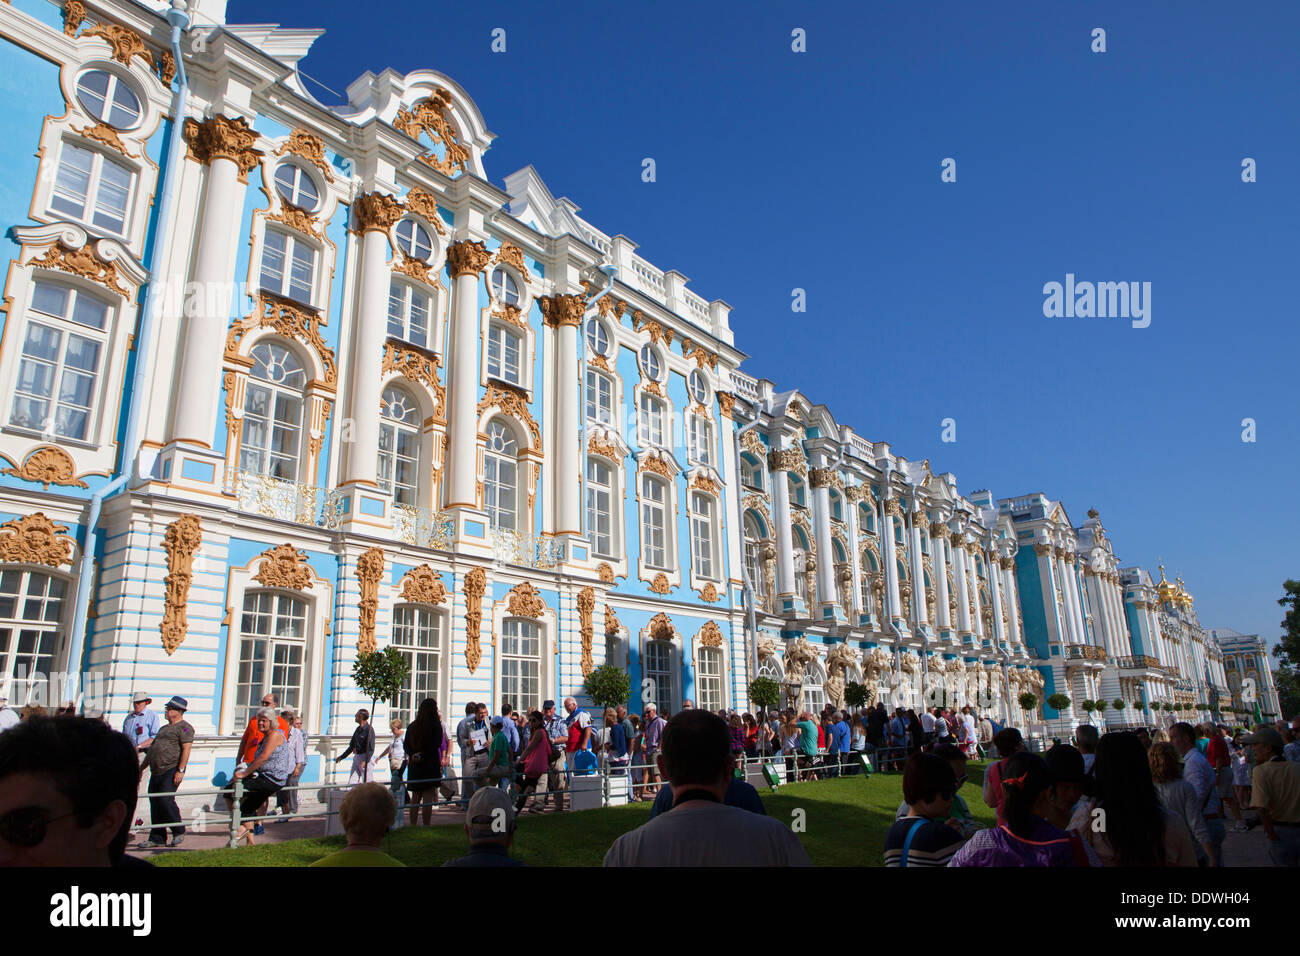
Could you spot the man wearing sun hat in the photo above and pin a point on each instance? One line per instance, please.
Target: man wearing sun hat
(490, 826)
(167, 761)
(1275, 793)
(141, 725)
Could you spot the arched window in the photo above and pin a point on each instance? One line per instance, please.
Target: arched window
(654, 522)
(272, 646)
(414, 240)
(296, 187)
(813, 695)
(708, 678)
(399, 446)
(801, 551)
(770, 668)
(521, 664)
(501, 477)
(658, 669)
(504, 287)
(417, 635)
(31, 617)
(409, 311)
(271, 438)
(701, 440)
(837, 505)
(58, 374)
(751, 473)
(702, 535)
(600, 398)
(504, 350)
(288, 266)
(600, 511)
(92, 188)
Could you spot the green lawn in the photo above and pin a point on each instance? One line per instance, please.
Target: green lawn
(845, 821)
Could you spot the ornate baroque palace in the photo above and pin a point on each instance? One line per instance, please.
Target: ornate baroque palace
(284, 382)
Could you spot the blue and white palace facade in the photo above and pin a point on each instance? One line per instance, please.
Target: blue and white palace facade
(284, 382)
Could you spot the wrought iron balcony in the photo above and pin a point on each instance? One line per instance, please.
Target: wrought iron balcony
(423, 528)
(288, 500)
(1139, 662)
(526, 550)
(1084, 652)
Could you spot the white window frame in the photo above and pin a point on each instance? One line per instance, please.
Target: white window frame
(710, 678)
(408, 292)
(495, 485)
(114, 82)
(276, 391)
(595, 489)
(598, 412)
(293, 242)
(499, 335)
(243, 712)
(649, 506)
(514, 629)
(91, 197)
(704, 537)
(700, 440)
(292, 192)
(404, 493)
(424, 618)
(35, 659)
(651, 413)
(668, 674)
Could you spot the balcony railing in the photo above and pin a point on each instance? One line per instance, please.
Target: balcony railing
(1084, 652)
(526, 550)
(423, 528)
(288, 500)
(1139, 662)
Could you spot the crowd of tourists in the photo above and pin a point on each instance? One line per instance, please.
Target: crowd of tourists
(1129, 799)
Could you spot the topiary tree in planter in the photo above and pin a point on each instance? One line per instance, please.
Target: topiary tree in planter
(608, 686)
(1058, 702)
(1118, 703)
(1100, 705)
(1027, 702)
(380, 675)
(766, 693)
(855, 694)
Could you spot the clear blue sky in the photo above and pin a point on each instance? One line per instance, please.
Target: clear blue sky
(821, 170)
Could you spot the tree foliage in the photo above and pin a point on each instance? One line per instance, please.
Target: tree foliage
(1027, 701)
(855, 694)
(608, 686)
(1287, 651)
(764, 692)
(1058, 702)
(380, 675)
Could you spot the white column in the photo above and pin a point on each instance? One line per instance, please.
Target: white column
(465, 260)
(564, 313)
(938, 548)
(892, 512)
(918, 570)
(973, 584)
(373, 214)
(1069, 597)
(784, 538)
(959, 569)
(1047, 576)
(1012, 599)
(995, 595)
(855, 557)
(1072, 577)
(821, 494)
(199, 381)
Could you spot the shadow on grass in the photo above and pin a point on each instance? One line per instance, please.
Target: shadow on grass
(843, 821)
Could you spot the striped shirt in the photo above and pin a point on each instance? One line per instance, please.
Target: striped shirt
(933, 844)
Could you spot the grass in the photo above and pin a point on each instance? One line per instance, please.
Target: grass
(844, 820)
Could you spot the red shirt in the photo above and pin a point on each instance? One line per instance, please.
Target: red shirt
(1216, 752)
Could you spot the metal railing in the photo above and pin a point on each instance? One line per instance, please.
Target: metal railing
(1138, 662)
(423, 528)
(526, 550)
(288, 500)
(1084, 652)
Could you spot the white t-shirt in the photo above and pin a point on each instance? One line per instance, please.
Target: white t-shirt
(397, 750)
(927, 722)
(969, 722)
(703, 833)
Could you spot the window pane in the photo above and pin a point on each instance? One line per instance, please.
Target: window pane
(112, 196)
(72, 182)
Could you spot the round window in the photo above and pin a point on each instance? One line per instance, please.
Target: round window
(296, 187)
(650, 363)
(413, 239)
(597, 337)
(504, 288)
(108, 99)
(699, 388)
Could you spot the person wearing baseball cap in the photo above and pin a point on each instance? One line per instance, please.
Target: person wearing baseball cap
(141, 725)
(167, 760)
(1275, 794)
(490, 826)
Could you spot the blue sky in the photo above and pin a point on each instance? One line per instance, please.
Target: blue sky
(821, 170)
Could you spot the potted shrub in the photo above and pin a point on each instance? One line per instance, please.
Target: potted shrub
(608, 686)
(1027, 701)
(1118, 703)
(766, 693)
(1099, 705)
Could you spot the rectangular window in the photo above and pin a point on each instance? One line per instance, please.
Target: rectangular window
(654, 523)
(408, 314)
(708, 678)
(92, 188)
(701, 441)
(416, 635)
(659, 671)
(503, 355)
(31, 610)
(600, 398)
(58, 373)
(652, 426)
(521, 665)
(599, 511)
(288, 266)
(702, 534)
(270, 434)
(273, 636)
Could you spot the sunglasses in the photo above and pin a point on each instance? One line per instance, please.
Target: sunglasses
(27, 826)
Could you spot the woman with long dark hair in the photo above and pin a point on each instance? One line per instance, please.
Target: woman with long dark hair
(424, 759)
(1138, 830)
(916, 731)
(1025, 838)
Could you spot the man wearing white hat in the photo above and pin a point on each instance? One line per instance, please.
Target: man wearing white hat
(141, 725)
(7, 716)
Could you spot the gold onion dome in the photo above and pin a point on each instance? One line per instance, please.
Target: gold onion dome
(1166, 592)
